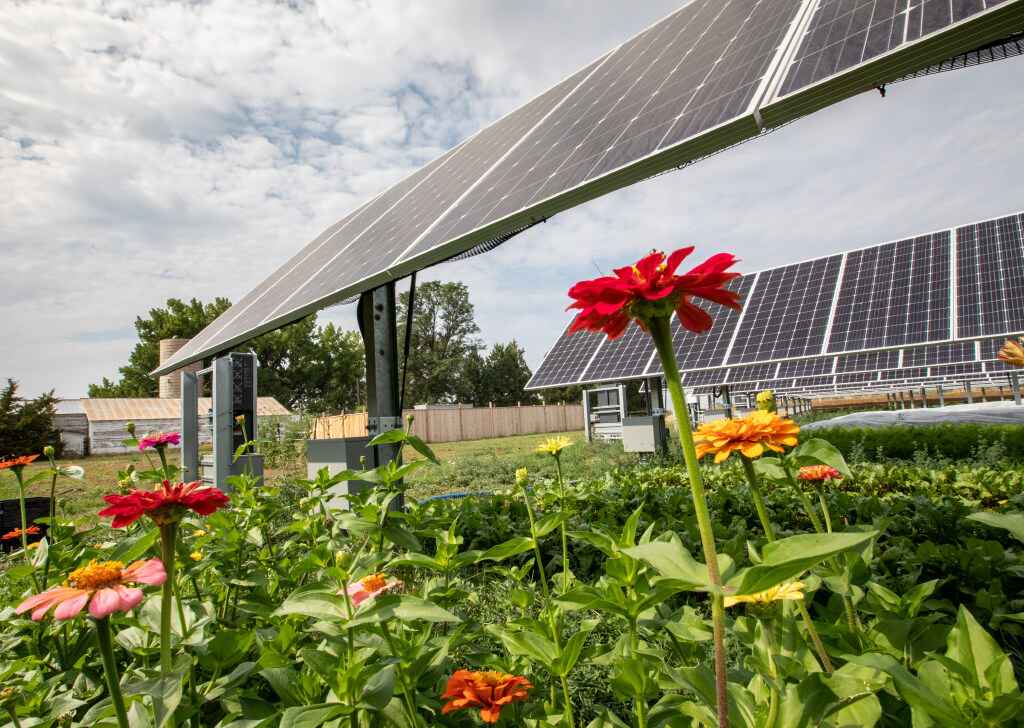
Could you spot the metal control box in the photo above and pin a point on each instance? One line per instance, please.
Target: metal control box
(338, 454)
(645, 434)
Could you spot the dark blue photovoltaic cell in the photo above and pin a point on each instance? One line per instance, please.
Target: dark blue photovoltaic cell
(845, 33)
(567, 359)
(990, 277)
(622, 358)
(787, 312)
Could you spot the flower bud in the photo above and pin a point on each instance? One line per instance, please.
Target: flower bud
(521, 475)
(48, 451)
(130, 427)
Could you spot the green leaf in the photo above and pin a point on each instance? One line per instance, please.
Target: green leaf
(314, 600)
(528, 644)
(1012, 522)
(789, 557)
(379, 688)
(672, 561)
(574, 646)
(312, 716)
(513, 546)
(417, 561)
(549, 523)
(911, 689)
(388, 438)
(770, 469)
(821, 452)
(423, 449)
(405, 607)
(971, 646)
(134, 547)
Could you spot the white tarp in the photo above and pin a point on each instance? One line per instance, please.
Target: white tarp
(986, 413)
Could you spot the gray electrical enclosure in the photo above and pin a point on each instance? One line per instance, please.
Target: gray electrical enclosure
(338, 454)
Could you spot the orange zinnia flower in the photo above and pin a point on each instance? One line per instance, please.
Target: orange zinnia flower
(102, 585)
(650, 288)
(16, 533)
(818, 473)
(1012, 353)
(489, 691)
(750, 436)
(371, 586)
(17, 463)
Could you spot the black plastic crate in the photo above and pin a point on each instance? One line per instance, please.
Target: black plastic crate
(10, 519)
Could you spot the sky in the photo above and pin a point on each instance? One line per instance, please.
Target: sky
(152, 149)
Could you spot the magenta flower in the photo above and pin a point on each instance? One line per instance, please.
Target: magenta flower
(159, 439)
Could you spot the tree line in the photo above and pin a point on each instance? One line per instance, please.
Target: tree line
(321, 369)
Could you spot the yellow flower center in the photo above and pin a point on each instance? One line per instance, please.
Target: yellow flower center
(374, 582)
(97, 575)
(491, 678)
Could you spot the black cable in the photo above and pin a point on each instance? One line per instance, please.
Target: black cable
(409, 311)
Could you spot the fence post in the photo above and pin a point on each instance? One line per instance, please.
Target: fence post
(461, 435)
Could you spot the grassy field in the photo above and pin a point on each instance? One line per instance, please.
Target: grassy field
(83, 496)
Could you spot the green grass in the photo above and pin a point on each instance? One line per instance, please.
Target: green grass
(82, 498)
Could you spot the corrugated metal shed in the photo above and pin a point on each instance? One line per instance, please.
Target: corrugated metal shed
(138, 410)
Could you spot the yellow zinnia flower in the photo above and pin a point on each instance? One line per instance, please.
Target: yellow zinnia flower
(198, 533)
(196, 555)
(792, 591)
(521, 475)
(751, 436)
(1012, 353)
(554, 445)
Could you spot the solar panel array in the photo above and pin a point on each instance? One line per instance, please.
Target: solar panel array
(689, 85)
(877, 316)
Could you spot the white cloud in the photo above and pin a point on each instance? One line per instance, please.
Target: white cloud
(155, 149)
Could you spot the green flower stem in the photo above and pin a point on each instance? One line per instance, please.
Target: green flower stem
(661, 332)
(566, 698)
(824, 508)
(168, 535)
(24, 526)
(410, 706)
(12, 711)
(565, 533)
(773, 694)
(110, 670)
(804, 500)
(755, 493)
(351, 653)
(536, 546)
(762, 513)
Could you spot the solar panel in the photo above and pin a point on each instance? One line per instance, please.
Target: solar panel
(624, 358)
(847, 46)
(689, 85)
(885, 308)
(787, 312)
(566, 361)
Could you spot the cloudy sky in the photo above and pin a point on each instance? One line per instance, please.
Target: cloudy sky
(152, 149)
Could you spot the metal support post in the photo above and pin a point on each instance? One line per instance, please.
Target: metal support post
(377, 323)
(924, 397)
(984, 395)
(1000, 392)
(969, 392)
(903, 403)
(223, 423)
(586, 416)
(189, 427)
(1015, 386)
(727, 401)
(942, 396)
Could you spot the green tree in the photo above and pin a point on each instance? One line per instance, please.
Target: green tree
(570, 395)
(320, 370)
(473, 384)
(443, 335)
(176, 320)
(507, 373)
(26, 425)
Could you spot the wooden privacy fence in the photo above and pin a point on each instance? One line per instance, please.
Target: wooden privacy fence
(453, 424)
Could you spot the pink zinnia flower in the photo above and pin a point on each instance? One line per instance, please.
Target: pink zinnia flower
(101, 585)
(159, 439)
(371, 586)
(166, 504)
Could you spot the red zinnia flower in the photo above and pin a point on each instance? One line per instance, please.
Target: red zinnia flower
(817, 473)
(651, 288)
(17, 463)
(166, 504)
(16, 533)
(159, 439)
(489, 691)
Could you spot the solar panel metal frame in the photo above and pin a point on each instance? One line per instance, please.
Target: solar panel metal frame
(764, 109)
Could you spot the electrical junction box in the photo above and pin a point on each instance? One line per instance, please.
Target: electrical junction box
(645, 434)
(338, 454)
